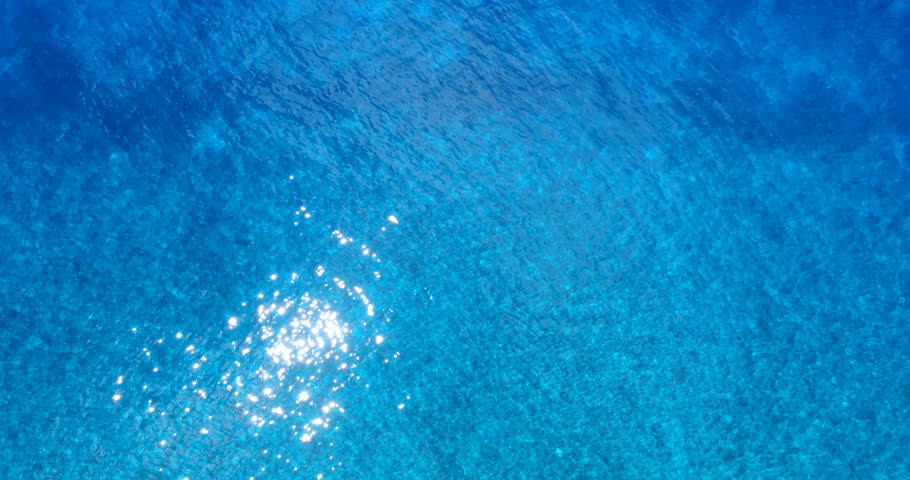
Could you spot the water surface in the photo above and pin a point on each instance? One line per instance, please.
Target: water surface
(454, 240)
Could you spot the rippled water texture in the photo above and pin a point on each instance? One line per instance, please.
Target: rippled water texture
(513, 240)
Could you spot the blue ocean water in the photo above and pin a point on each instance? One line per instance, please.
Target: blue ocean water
(460, 239)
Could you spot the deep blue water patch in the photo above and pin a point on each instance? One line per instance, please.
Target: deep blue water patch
(454, 239)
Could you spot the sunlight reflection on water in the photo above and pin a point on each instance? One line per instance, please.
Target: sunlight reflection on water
(278, 363)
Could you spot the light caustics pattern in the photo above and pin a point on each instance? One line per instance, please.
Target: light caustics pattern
(279, 363)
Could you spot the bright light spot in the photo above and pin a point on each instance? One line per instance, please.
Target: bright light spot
(307, 339)
(116, 398)
(401, 406)
(120, 380)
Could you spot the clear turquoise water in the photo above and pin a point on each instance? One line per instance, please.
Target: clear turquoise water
(545, 240)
